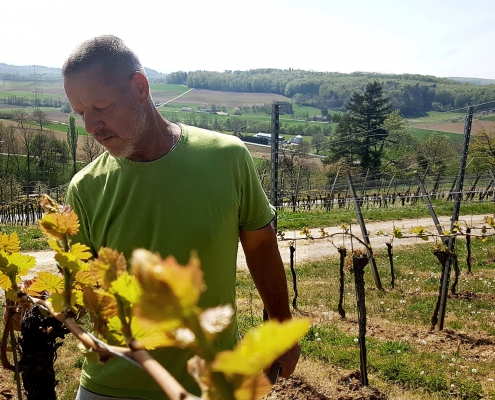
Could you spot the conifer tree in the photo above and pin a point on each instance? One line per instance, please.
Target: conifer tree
(72, 135)
(368, 112)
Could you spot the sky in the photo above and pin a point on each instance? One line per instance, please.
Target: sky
(443, 38)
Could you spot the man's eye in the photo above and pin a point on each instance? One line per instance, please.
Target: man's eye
(102, 109)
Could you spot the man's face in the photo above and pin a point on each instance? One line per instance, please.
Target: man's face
(112, 114)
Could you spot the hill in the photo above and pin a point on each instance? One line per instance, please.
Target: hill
(475, 81)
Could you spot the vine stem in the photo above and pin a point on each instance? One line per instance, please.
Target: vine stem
(165, 380)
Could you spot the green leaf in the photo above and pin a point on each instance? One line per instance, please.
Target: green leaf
(261, 347)
(126, 288)
(71, 262)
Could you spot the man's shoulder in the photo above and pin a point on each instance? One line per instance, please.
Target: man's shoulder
(202, 136)
(98, 166)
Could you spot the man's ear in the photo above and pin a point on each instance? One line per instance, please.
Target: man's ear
(140, 85)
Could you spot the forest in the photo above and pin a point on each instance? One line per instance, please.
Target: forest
(413, 95)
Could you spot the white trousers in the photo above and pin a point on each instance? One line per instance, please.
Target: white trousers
(83, 394)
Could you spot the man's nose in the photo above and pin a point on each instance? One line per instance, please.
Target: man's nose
(92, 122)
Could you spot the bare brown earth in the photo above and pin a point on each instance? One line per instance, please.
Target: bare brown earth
(455, 127)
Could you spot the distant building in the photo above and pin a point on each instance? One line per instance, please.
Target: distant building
(186, 109)
(268, 136)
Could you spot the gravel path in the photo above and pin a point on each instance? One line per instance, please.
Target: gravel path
(310, 250)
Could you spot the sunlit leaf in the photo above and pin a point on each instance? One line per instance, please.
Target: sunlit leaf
(48, 204)
(101, 308)
(57, 301)
(5, 282)
(420, 231)
(84, 278)
(126, 287)
(261, 347)
(54, 245)
(397, 233)
(253, 387)
(58, 226)
(169, 290)
(81, 251)
(49, 282)
(114, 333)
(109, 265)
(77, 298)
(154, 338)
(71, 262)
(10, 243)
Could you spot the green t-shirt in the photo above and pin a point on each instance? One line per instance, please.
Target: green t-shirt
(195, 198)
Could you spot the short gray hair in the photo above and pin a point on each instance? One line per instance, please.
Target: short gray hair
(107, 51)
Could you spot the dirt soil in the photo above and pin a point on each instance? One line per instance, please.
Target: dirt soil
(316, 382)
(455, 127)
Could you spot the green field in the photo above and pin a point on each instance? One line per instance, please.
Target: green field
(160, 87)
(436, 116)
(424, 133)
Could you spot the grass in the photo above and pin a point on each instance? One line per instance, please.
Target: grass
(31, 236)
(437, 116)
(318, 218)
(422, 134)
(403, 355)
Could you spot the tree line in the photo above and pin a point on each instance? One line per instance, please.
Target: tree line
(34, 160)
(412, 94)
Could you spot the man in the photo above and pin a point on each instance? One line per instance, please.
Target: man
(171, 189)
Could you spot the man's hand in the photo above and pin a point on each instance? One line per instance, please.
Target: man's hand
(289, 360)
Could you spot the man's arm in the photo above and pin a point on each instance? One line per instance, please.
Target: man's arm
(267, 269)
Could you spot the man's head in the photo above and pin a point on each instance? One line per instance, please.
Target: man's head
(107, 52)
(106, 86)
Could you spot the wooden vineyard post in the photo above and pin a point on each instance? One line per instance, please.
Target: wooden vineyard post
(364, 232)
(359, 261)
(468, 248)
(343, 252)
(391, 261)
(294, 277)
(444, 285)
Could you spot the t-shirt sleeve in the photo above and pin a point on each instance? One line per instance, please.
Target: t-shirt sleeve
(255, 210)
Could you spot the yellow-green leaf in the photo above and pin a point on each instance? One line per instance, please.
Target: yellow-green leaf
(101, 308)
(70, 262)
(10, 243)
(151, 338)
(84, 278)
(169, 289)
(126, 288)
(261, 347)
(109, 265)
(59, 226)
(16, 263)
(49, 282)
(57, 301)
(397, 233)
(5, 282)
(81, 251)
(114, 333)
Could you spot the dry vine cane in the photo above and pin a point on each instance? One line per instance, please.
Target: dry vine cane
(128, 316)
